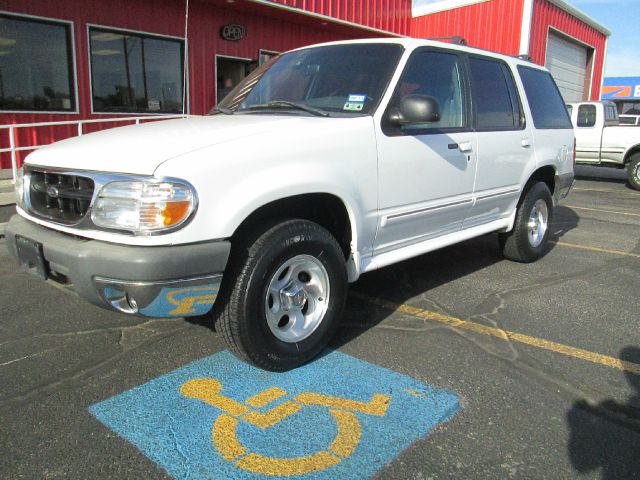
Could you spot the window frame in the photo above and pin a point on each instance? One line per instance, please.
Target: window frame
(465, 86)
(520, 67)
(184, 72)
(511, 89)
(71, 51)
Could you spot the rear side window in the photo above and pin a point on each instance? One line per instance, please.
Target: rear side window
(586, 116)
(547, 107)
(494, 95)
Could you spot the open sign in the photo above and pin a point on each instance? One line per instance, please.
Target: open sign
(233, 32)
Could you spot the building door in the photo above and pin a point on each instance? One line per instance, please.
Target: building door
(567, 62)
(229, 72)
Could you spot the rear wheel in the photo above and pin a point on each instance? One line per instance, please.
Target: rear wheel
(287, 288)
(528, 239)
(633, 168)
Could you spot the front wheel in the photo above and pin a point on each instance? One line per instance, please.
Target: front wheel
(287, 289)
(633, 169)
(528, 239)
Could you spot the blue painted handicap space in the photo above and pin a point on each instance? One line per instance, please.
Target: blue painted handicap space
(337, 417)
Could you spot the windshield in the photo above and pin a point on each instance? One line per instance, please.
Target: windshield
(336, 80)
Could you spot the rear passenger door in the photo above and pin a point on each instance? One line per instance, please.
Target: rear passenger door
(505, 142)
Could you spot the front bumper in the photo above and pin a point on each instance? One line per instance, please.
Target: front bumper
(162, 281)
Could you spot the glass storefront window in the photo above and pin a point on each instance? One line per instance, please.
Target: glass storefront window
(134, 73)
(36, 68)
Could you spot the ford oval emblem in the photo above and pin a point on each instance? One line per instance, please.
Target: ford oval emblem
(233, 32)
(52, 191)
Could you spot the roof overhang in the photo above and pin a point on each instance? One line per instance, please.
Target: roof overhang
(567, 7)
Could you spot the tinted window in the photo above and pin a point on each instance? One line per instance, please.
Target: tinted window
(343, 79)
(570, 109)
(494, 95)
(610, 113)
(135, 73)
(547, 107)
(437, 75)
(586, 116)
(36, 71)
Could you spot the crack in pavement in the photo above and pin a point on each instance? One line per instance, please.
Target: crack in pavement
(52, 386)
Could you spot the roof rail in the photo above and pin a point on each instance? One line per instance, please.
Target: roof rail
(525, 57)
(455, 39)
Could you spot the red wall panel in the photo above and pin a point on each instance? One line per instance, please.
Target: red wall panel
(548, 16)
(493, 25)
(267, 28)
(388, 15)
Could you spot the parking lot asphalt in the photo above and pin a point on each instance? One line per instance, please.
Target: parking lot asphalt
(535, 368)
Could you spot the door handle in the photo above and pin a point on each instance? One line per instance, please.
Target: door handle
(465, 147)
(526, 143)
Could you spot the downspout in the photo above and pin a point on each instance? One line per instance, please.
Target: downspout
(525, 28)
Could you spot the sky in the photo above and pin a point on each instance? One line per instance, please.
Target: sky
(622, 17)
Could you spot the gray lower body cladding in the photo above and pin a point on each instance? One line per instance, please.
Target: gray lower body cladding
(161, 281)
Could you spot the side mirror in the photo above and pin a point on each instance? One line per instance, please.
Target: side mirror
(415, 109)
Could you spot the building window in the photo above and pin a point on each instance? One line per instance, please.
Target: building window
(133, 73)
(36, 68)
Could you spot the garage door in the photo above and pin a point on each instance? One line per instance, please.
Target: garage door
(567, 62)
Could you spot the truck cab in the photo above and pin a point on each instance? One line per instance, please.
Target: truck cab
(601, 139)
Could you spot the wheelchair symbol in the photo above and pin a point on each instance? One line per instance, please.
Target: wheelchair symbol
(224, 431)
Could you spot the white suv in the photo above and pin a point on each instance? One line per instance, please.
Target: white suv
(328, 162)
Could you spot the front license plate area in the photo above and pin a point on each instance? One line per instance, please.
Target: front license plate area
(31, 257)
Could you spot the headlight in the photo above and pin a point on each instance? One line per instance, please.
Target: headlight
(142, 207)
(19, 186)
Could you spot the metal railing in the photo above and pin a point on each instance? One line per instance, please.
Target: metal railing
(12, 130)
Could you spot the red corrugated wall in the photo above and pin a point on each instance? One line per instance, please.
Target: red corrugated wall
(267, 28)
(388, 15)
(546, 16)
(493, 25)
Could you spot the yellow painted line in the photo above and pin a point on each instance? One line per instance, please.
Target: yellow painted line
(629, 192)
(266, 397)
(603, 211)
(504, 334)
(597, 249)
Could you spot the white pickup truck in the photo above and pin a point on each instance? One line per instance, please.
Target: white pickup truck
(602, 140)
(326, 163)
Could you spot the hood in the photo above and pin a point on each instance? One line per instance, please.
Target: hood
(140, 149)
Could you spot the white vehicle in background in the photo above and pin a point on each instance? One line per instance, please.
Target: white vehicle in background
(601, 139)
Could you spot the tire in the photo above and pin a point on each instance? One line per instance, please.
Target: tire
(285, 291)
(633, 169)
(528, 240)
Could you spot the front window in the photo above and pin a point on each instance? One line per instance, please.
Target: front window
(36, 68)
(133, 73)
(337, 80)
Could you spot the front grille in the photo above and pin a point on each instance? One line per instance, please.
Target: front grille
(60, 197)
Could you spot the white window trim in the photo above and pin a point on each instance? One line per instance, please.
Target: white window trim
(138, 32)
(71, 25)
(442, 6)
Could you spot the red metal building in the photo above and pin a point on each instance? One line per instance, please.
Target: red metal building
(78, 60)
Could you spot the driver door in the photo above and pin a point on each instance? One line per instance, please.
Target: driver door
(426, 171)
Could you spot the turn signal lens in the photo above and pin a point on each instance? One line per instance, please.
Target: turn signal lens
(142, 207)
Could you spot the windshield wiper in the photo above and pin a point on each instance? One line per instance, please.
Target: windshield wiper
(224, 110)
(287, 104)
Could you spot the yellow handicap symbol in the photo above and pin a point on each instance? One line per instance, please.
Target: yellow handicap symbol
(224, 432)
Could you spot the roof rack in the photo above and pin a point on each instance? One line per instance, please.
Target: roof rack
(456, 39)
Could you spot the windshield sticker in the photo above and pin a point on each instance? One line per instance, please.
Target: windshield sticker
(355, 102)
